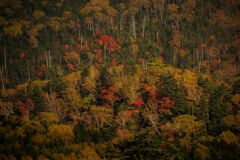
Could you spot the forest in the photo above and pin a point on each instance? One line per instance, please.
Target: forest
(119, 79)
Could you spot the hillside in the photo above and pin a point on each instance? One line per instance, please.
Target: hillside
(119, 79)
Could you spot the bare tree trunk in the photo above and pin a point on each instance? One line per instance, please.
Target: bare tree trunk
(143, 25)
(133, 26)
(121, 24)
(29, 77)
(154, 125)
(49, 57)
(1, 73)
(5, 62)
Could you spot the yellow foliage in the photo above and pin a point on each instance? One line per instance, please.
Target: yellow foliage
(89, 9)
(190, 82)
(15, 4)
(201, 152)
(63, 132)
(9, 92)
(133, 49)
(37, 14)
(228, 121)
(111, 11)
(99, 109)
(3, 21)
(72, 96)
(228, 137)
(40, 83)
(3, 3)
(26, 158)
(89, 153)
(206, 139)
(3, 157)
(9, 11)
(186, 142)
(41, 157)
(236, 99)
(11, 157)
(37, 139)
(47, 117)
(44, 3)
(73, 79)
(14, 29)
(187, 124)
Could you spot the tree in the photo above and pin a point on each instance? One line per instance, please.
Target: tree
(186, 125)
(56, 106)
(63, 133)
(6, 109)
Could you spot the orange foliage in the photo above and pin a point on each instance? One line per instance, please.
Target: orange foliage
(165, 104)
(141, 60)
(97, 33)
(70, 66)
(203, 45)
(161, 58)
(57, 43)
(66, 46)
(78, 46)
(139, 102)
(212, 37)
(114, 62)
(22, 54)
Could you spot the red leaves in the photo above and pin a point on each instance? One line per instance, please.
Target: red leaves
(40, 74)
(138, 102)
(161, 58)
(161, 127)
(22, 108)
(212, 37)
(214, 64)
(114, 62)
(108, 95)
(99, 60)
(57, 43)
(43, 67)
(203, 45)
(109, 43)
(78, 46)
(29, 103)
(151, 92)
(98, 52)
(6, 81)
(22, 54)
(66, 46)
(97, 33)
(169, 135)
(175, 51)
(165, 104)
(25, 108)
(70, 66)
(141, 60)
